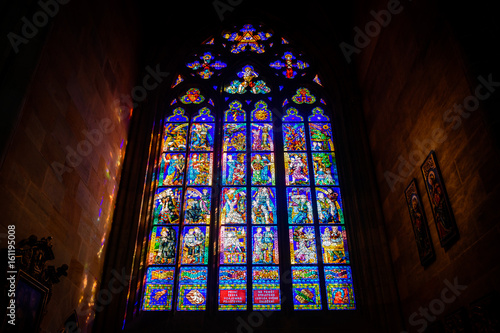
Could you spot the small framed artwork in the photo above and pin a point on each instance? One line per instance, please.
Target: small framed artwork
(440, 204)
(419, 224)
(31, 298)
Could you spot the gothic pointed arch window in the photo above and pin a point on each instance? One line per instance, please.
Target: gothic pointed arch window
(245, 185)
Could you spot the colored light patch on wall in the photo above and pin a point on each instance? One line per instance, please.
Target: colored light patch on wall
(233, 245)
(263, 205)
(163, 245)
(302, 245)
(195, 245)
(305, 287)
(197, 203)
(167, 206)
(234, 137)
(174, 137)
(262, 165)
(234, 169)
(202, 137)
(171, 171)
(200, 169)
(329, 205)
(299, 205)
(192, 289)
(294, 137)
(233, 207)
(265, 245)
(325, 169)
(266, 288)
(334, 244)
(262, 137)
(232, 288)
(321, 137)
(296, 169)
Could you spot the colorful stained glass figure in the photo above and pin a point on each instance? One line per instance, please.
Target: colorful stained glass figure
(232, 288)
(159, 289)
(195, 245)
(334, 244)
(325, 169)
(302, 245)
(233, 207)
(247, 74)
(303, 95)
(329, 205)
(339, 291)
(163, 245)
(290, 64)
(262, 137)
(265, 245)
(292, 115)
(234, 168)
(266, 288)
(321, 137)
(296, 169)
(317, 80)
(197, 205)
(205, 66)
(167, 206)
(233, 245)
(318, 115)
(204, 116)
(202, 137)
(171, 171)
(247, 39)
(261, 112)
(299, 205)
(178, 116)
(294, 137)
(178, 80)
(235, 137)
(305, 286)
(192, 290)
(235, 113)
(200, 169)
(262, 165)
(174, 137)
(193, 95)
(264, 205)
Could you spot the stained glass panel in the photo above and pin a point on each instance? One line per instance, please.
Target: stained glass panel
(262, 165)
(302, 245)
(262, 137)
(232, 288)
(174, 137)
(339, 290)
(233, 207)
(299, 205)
(266, 288)
(321, 137)
(171, 169)
(200, 169)
(264, 205)
(234, 137)
(294, 137)
(261, 112)
(334, 244)
(234, 169)
(195, 245)
(202, 137)
(197, 205)
(325, 169)
(167, 206)
(159, 287)
(233, 245)
(306, 292)
(296, 169)
(235, 113)
(163, 245)
(265, 245)
(329, 205)
(192, 288)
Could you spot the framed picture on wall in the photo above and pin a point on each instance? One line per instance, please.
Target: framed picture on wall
(440, 204)
(419, 224)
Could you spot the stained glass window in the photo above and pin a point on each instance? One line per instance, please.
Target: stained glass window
(245, 185)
